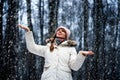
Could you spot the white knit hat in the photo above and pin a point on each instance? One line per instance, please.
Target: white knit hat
(66, 29)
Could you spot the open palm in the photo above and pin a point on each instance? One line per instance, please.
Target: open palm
(86, 52)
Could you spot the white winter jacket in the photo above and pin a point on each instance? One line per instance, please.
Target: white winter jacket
(58, 63)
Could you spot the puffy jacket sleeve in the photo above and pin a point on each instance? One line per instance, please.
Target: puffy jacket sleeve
(32, 47)
(76, 60)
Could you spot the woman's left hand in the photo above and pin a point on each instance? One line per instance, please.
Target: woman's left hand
(85, 53)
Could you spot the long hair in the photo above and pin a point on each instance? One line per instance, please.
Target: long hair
(52, 39)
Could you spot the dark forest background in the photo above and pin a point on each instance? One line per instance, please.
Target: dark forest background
(95, 25)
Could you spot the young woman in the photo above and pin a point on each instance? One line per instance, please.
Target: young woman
(59, 53)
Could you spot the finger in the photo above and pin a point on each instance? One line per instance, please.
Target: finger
(92, 52)
(20, 26)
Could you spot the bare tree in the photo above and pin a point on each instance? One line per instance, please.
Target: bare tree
(1, 37)
(11, 33)
(29, 14)
(98, 18)
(30, 57)
(1, 24)
(118, 10)
(53, 8)
(86, 17)
(41, 18)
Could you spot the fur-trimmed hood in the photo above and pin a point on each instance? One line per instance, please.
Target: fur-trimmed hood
(69, 43)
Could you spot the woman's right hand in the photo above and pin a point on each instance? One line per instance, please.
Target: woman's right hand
(24, 27)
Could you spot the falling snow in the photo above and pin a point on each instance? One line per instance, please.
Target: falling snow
(102, 36)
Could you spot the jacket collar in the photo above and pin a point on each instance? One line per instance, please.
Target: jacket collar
(69, 43)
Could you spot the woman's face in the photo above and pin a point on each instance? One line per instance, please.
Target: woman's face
(61, 33)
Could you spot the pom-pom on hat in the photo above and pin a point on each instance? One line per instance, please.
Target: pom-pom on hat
(66, 29)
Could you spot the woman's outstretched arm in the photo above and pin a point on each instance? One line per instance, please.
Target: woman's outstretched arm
(31, 45)
(76, 60)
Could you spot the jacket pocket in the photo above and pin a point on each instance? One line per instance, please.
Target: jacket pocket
(46, 66)
(46, 73)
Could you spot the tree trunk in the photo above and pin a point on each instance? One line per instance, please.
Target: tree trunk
(99, 40)
(86, 17)
(53, 8)
(118, 11)
(40, 60)
(1, 21)
(1, 37)
(117, 46)
(117, 49)
(29, 14)
(11, 33)
(30, 57)
(41, 18)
